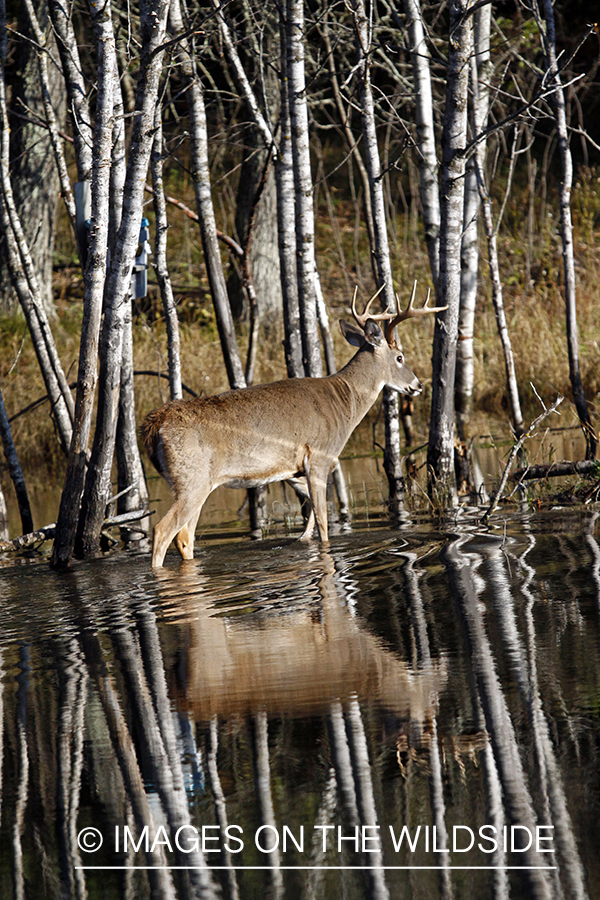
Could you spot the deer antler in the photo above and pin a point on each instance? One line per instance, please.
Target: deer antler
(375, 317)
(410, 312)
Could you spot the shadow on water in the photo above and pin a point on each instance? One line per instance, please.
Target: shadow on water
(414, 713)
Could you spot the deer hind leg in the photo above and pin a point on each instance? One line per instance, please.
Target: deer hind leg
(183, 513)
(316, 475)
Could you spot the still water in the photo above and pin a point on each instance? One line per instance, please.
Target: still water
(414, 713)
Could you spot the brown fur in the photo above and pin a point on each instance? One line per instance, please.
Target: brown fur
(268, 433)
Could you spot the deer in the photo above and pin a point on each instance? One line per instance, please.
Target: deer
(275, 432)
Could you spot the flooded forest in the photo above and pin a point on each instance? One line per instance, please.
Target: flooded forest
(284, 617)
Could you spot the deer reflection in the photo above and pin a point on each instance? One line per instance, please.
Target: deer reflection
(314, 658)
(299, 661)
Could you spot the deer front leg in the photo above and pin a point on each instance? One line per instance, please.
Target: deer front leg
(316, 474)
(185, 538)
(185, 509)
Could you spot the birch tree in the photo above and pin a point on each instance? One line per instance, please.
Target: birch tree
(87, 376)
(160, 256)
(426, 145)
(153, 20)
(23, 274)
(204, 203)
(381, 251)
(557, 99)
(440, 450)
(304, 219)
(480, 71)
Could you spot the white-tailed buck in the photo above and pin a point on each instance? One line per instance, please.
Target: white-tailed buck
(271, 432)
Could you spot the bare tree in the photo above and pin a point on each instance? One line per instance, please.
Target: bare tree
(87, 376)
(381, 251)
(153, 20)
(480, 66)
(305, 220)
(440, 450)
(557, 99)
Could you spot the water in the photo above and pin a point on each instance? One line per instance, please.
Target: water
(265, 720)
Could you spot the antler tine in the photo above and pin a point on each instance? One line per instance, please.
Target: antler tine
(410, 312)
(375, 317)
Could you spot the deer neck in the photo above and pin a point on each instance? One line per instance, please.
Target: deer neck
(359, 384)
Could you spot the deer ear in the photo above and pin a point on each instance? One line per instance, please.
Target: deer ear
(373, 334)
(352, 334)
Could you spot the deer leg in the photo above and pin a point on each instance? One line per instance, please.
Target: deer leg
(185, 538)
(183, 510)
(316, 476)
(310, 527)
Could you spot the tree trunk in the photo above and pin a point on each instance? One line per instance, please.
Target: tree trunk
(204, 204)
(305, 220)
(480, 66)
(566, 226)
(33, 167)
(153, 18)
(428, 164)
(95, 276)
(286, 225)
(392, 459)
(344, 117)
(14, 468)
(498, 301)
(160, 256)
(208, 229)
(23, 275)
(440, 451)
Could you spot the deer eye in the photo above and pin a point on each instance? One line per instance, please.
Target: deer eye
(400, 359)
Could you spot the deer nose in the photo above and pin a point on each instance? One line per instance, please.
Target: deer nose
(416, 388)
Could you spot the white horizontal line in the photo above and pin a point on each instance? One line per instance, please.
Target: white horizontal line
(319, 868)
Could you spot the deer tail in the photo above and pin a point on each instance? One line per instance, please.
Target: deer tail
(151, 437)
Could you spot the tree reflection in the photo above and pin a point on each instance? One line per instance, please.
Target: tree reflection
(353, 690)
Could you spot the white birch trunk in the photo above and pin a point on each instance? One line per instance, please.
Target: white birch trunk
(95, 277)
(24, 277)
(51, 121)
(392, 459)
(97, 489)
(62, 23)
(428, 164)
(305, 221)
(566, 227)
(498, 301)
(286, 225)
(204, 203)
(160, 256)
(440, 451)
(480, 76)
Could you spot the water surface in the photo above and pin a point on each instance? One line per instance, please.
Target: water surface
(267, 719)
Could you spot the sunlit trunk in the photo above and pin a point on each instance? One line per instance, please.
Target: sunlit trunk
(426, 149)
(95, 277)
(392, 459)
(304, 211)
(557, 98)
(440, 450)
(160, 256)
(97, 487)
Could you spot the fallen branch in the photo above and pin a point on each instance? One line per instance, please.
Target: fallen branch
(556, 469)
(513, 453)
(48, 532)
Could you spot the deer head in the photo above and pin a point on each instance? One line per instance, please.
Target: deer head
(384, 342)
